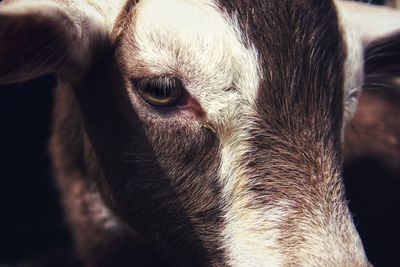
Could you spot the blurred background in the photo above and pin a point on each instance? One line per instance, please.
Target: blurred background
(31, 224)
(32, 227)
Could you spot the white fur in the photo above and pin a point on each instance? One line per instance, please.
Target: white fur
(354, 64)
(174, 36)
(203, 46)
(331, 238)
(371, 22)
(109, 9)
(196, 41)
(251, 239)
(362, 24)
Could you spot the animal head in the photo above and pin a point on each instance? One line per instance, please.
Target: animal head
(212, 127)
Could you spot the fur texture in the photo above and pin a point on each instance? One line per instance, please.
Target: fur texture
(261, 186)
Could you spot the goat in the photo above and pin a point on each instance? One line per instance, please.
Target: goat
(210, 131)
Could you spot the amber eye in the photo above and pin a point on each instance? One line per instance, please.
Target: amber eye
(160, 91)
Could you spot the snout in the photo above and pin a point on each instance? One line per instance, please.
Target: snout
(282, 236)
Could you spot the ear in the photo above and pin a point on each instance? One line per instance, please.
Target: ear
(375, 31)
(370, 22)
(42, 37)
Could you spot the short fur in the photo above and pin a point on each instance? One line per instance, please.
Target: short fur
(261, 185)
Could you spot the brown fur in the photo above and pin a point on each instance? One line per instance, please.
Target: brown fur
(135, 178)
(296, 137)
(129, 175)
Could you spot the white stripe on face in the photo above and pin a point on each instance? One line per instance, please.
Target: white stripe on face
(194, 40)
(203, 46)
(198, 42)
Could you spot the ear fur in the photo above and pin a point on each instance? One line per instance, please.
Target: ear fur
(377, 30)
(382, 64)
(369, 22)
(42, 37)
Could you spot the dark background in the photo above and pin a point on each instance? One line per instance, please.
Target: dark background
(32, 228)
(31, 222)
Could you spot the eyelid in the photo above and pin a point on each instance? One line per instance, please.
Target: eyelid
(162, 91)
(140, 82)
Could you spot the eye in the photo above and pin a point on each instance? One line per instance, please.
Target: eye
(160, 91)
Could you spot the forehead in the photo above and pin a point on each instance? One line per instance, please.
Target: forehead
(194, 40)
(274, 48)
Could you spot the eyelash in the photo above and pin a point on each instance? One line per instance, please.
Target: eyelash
(164, 91)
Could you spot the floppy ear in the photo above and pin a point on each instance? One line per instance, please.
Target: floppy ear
(378, 30)
(42, 37)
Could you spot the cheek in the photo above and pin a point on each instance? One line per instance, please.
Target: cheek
(183, 145)
(189, 157)
(187, 153)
